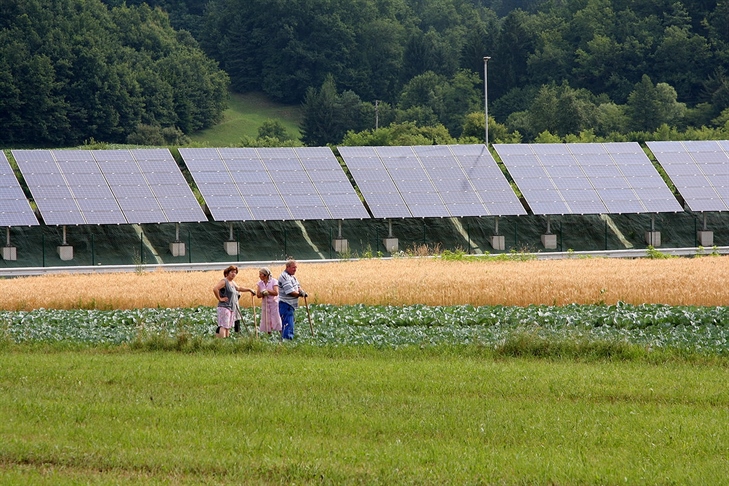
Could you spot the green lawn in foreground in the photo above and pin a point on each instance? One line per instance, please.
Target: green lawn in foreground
(245, 113)
(303, 415)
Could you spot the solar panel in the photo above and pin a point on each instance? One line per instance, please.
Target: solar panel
(144, 215)
(15, 209)
(98, 187)
(273, 184)
(275, 213)
(375, 182)
(429, 181)
(698, 169)
(163, 176)
(152, 154)
(60, 217)
(56, 192)
(71, 155)
(49, 185)
(244, 165)
(585, 178)
(230, 213)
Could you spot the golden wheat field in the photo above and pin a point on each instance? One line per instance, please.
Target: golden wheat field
(677, 281)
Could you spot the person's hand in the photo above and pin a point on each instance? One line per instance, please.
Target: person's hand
(264, 293)
(302, 293)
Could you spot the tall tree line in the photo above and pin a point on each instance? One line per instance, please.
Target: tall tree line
(76, 70)
(555, 66)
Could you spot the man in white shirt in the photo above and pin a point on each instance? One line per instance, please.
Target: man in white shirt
(288, 300)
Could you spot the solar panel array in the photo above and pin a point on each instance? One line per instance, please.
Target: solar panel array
(14, 207)
(241, 184)
(72, 187)
(699, 170)
(587, 178)
(431, 181)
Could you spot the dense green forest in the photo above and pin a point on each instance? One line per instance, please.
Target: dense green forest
(591, 69)
(75, 70)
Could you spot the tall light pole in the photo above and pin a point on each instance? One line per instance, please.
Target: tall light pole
(377, 114)
(486, 97)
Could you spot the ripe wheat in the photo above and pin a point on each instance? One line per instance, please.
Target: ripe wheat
(405, 281)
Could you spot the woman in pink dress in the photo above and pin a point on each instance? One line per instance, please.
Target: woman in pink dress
(268, 291)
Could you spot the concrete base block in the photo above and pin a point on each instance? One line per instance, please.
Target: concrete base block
(705, 238)
(10, 253)
(65, 252)
(498, 242)
(340, 245)
(177, 248)
(391, 245)
(231, 248)
(549, 241)
(653, 238)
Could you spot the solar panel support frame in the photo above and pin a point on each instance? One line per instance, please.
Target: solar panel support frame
(549, 239)
(653, 237)
(231, 246)
(9, 251)
(177, 247)
(64, 250)
(704, 236)
(340, 244)
(392, 244)
(498, 242)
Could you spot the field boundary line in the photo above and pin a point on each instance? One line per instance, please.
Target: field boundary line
(207, 266)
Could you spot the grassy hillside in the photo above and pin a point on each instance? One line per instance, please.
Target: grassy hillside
(245, 114)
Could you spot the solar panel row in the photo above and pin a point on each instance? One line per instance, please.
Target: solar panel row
(699, 170)
(240, 184)
(582, 178)
(73, 187)
(15, 209)
(431, 181)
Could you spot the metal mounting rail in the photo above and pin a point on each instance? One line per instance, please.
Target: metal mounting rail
(201, 267)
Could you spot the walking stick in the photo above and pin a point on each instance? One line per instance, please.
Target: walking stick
(253, 306)
(311, 325)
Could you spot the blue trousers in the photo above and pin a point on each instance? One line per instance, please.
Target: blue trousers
(287, 320)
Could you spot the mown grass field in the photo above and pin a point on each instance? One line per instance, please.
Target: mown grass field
(357, 417)
(173, 407)
(245, 113)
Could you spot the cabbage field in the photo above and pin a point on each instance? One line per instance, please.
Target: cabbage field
(653, 326)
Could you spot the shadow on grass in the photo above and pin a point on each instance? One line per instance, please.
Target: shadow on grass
(521, 344)
(529, 344)
(186, 343)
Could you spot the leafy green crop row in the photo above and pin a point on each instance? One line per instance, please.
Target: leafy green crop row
(702, 329)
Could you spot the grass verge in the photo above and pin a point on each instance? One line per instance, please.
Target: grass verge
(279, 414)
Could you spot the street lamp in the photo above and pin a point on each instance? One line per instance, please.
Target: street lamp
(486, 97)
(377, 114)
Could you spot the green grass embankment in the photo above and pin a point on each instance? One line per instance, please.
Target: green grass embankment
(245, 113)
